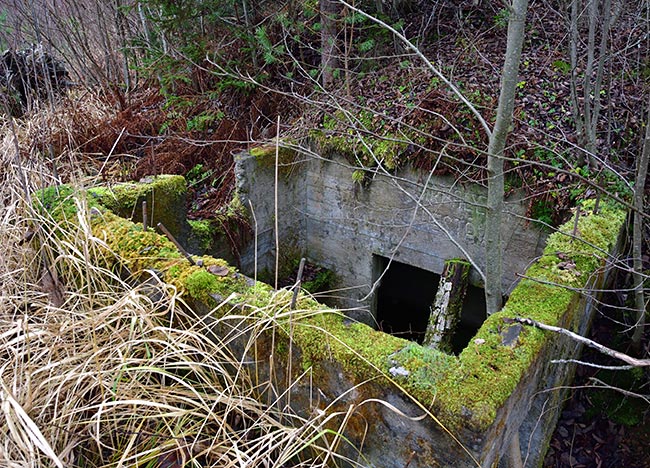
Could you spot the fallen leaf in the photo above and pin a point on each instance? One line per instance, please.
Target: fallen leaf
(218, 270)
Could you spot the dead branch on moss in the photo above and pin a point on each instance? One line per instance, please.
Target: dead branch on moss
(586, 341)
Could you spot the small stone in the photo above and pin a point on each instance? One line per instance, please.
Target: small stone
(395, 371)
(95, 213)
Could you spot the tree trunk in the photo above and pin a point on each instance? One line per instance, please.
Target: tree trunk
(329, 14)
(509, 80)
(637, 235)
(447, 306)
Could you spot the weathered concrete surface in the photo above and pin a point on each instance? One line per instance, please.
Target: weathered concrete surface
(398, 399)
(255, 176)
(335, 222)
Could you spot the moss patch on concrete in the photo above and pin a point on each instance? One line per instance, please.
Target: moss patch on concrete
(373, 151)
(140, 250)
(203, 233)
(61, 202)
(364, 148)
(165, 196)
(265, 154)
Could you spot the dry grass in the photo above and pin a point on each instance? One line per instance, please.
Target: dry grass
(92, 374)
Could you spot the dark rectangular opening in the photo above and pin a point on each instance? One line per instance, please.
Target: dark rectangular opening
(403, 298)
(402, 304)
(471, 318)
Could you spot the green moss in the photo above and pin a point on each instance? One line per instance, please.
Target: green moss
(200, 283)
(266, 156)
(365, 148)
(122, 199)
(203, 231)
(233, 210)
(361, 350)
(61, 202)
(425, 366)
(373, 150)
(165, 196)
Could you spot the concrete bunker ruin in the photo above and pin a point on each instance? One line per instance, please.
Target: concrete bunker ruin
(409, 220)
(444, 410)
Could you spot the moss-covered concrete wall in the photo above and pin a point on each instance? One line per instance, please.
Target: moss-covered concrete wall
(166, 198)
(405, 404)
(343, 224)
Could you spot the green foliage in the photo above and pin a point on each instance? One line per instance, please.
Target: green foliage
(355, 18)
(204, 120)
(233, 83)
(562, 66)
(322, 281)
(367, 45)
(270, 52)
(543, 212)
(615, 405)
(358, 176)
(501, 18)
(197, 174)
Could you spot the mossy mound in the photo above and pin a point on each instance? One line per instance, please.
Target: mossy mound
(166, 197)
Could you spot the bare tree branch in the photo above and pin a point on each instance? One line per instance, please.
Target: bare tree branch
(586, 341)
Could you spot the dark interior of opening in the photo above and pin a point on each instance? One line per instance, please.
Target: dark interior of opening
(405, 295)
(471, 318)
(403, 299)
